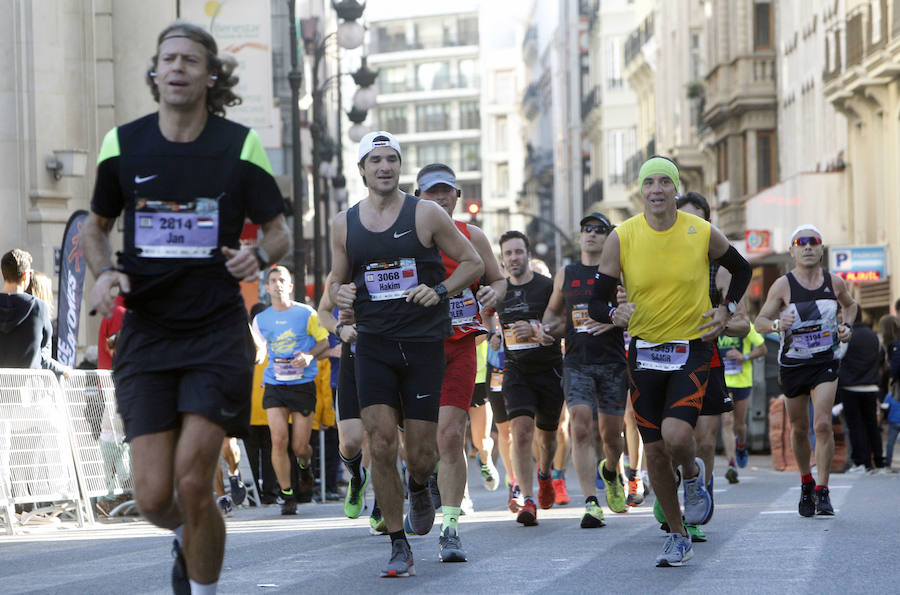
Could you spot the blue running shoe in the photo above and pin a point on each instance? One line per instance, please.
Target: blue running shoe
(676, 551)
(697, 501)
(742, 456)
(712, 500)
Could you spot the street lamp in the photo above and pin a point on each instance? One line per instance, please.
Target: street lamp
(295, 77)
(349, 35)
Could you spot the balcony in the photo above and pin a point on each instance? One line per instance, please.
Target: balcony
(593, 194)
(638, 38)
(591, 101)
(530, 45)
(531, 101)
(745, 84)
(633, 164)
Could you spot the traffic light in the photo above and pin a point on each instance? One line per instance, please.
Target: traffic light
(474, 208)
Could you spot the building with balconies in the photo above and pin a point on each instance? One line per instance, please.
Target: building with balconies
(861, 78)
(738, 128)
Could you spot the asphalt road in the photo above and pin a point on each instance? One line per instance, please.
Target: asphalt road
(757, 544)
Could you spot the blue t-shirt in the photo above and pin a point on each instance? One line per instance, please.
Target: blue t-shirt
(288, 333)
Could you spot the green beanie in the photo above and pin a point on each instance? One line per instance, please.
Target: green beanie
(659, 165)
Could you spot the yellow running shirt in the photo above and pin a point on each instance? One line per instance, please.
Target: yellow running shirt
(666, 275)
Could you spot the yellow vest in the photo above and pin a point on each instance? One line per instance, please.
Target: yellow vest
(666, 275)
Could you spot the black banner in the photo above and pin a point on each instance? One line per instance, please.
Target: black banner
(72, 267)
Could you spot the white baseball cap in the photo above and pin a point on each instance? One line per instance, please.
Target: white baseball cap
(369, 142)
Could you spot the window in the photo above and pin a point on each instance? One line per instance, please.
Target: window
(762, 25)
(501, 133)
(429, 35)
(469, 115)
(501, 179)
(722, 161)
(433, 153)
(393, 119)
(696, 57)
(614, 63)
(616, 156)
(392, 80)
(432, 116)
(468, 74)
(471, 190)
(504, 87)
(470, 156)
(467, 30)
(390, 37)
(765, 158)
(432, 76)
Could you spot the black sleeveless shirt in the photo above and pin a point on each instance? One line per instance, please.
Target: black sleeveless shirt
(813, 338)
(527, 302)
(383, 265)
(581, 346)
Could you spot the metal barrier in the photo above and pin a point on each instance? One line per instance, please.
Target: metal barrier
(102, 457)
(36, 463)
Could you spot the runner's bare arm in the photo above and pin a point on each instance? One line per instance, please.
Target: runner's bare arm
(554, 320)
(98, 254)
(276, 240)
(437, 226)
(739, 325)
(772, 309)
(341, 288)
(849, 307)
(494, 291)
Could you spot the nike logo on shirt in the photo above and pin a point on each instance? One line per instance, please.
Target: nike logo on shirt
(400, 235)
(140, 180)
(423, 396)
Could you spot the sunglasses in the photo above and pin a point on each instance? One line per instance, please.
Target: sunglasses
(808, 241)
(595, 228)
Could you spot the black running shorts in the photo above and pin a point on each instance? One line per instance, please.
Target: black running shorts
(296, 398)
(717, 399)
(800, 380)
(407, 375)
(158, 378)
(538, 395)
(347, 398)
(656, 394)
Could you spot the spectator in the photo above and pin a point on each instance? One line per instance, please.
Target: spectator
(889, 330)
(25, 330)
(858, 390)
(41, 287)
(108, 327)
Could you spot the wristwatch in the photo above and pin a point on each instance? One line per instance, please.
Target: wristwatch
(731, 305)
(262, 257)
(441, 291)
(338, 329)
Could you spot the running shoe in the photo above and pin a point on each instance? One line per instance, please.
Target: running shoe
(676, 551)
(712, 499)
(697, 501)
(515, 498)
(823, 502)
(466, 506)
(598, 479)
(420, 517)
(807, 506)
(451, 546)
(307, 481)
(489, 474)
(377, 524)
(225, 506)
(435, 492)
(593, 516)
(238, 489)
(288, 504)
(401, 562)
(356, 494)
(731, 474)
(546, 492)
(615, 491)
(528, 513)
(562, 495)
(635, 497)
(181, 584)
(742, 455)
(695, 533)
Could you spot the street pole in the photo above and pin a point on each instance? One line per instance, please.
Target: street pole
(295, 77)
(340, 160)
(318, 132)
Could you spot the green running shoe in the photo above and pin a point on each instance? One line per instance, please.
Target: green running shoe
(377, 524)
(593, 516)
(695, 533)
(658, 513)
(615, 491)
(356, 495)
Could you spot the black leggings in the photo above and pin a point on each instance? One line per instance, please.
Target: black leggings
(862, 425)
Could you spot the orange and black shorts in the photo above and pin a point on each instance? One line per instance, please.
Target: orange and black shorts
(658, 394)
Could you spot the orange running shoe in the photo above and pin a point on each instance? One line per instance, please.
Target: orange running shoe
(528, 513)
(546, 492)
(562, 496)
(635, 492)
